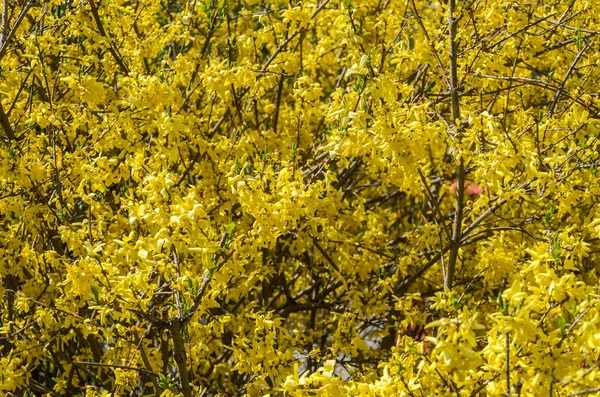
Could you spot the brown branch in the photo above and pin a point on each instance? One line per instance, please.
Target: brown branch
(567, 75)
(507, 369)
(558, 23)
(460, 182)
(483, 385)
(92, 364)
(206, 280)
(12, 32)
(282, 46)
(277, 104)
(4, 21)
(198, 299)
(326, 255)
(433, 50)
(5, 123)
(482, 217)
(113, 51)
(586, 392)
(177, 329)
(411, 279)
(278, 51)
(158, 390)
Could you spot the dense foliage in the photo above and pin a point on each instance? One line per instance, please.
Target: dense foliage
(355, 197)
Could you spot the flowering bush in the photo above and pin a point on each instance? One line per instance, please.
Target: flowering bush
(299, 198)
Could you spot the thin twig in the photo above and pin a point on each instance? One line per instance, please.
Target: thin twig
(92, 364)
(111, 48)
(567, 75)
(507, 350)
(586, 392)
(5, 123)
(433, 50)
(12, 32)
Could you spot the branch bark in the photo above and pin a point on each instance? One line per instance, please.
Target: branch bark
(5, 123)
(6, 38)
(127, 367)
(4, 20)
(176, 328)
(460, 182)
(111, 48)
